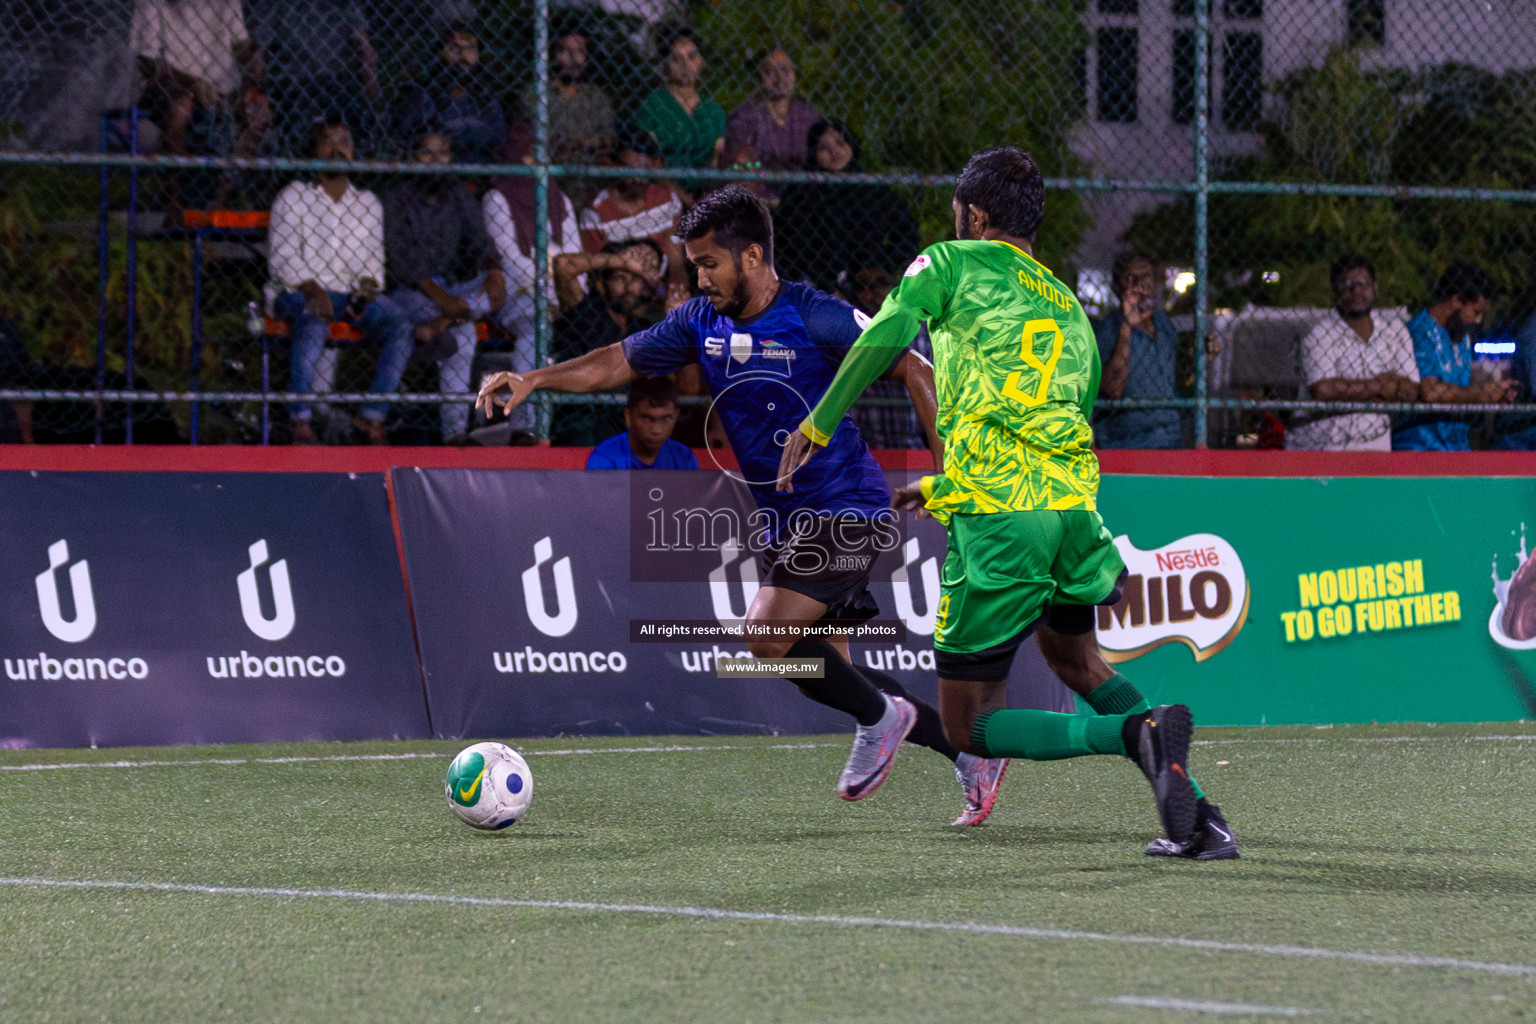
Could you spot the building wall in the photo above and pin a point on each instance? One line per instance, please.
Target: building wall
(1497, 35)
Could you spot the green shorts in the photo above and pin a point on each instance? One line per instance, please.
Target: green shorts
(1004, 570)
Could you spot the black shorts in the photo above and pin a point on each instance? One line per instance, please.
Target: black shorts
(828, 558)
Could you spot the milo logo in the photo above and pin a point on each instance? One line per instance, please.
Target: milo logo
(1192, 591)
(466, 776)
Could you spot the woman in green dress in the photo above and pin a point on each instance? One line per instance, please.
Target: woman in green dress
(688, 125)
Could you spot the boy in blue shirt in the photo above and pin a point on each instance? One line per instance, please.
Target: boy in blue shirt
(646, 443)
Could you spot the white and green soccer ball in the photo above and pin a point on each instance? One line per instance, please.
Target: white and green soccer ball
(489, 786)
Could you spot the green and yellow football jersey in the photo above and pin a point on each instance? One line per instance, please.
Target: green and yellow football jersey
(1017, 371)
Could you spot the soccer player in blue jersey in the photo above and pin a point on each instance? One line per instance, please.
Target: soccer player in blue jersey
(768, 350)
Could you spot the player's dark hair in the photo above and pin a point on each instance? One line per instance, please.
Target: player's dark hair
(655, 390)
(1465, 282)
(737, 217)
(1344, 264)
(1006, 184)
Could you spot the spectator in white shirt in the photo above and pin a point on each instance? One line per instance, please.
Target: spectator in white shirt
(509, 218)
(327, 257)
(1353, 356)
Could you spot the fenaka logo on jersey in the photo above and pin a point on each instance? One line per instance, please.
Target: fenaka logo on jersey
(1193, 591)
(776, 350)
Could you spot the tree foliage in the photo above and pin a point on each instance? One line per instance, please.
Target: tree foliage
(1449, 126)
(923, 84)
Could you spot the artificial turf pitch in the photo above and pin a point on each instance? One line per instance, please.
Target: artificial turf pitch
(1389, 875)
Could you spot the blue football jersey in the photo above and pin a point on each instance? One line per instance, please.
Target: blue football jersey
(766, 375)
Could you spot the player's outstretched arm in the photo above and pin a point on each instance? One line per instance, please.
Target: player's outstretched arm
(603, 369)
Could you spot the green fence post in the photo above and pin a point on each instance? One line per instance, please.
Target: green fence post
(541, 334)
(1202, 213)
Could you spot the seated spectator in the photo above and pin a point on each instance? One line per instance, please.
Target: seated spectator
(688, 125)
(1442, 348)
(197, 63)
(647, 441)
(16, 373)
(442, 270)
(1138, 347)
(772, 125)
(508, 207)
(1350, 356)
(456, 96)
(634, 208)
(321, 62)
(580, 113)
(326, 254)
(622, 282)
(894, 425)
(826, 232)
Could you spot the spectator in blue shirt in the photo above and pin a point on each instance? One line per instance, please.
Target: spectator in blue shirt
(1138, 346)
(1443, 351)
(649, 416)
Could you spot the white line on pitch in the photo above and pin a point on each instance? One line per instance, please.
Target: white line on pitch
(1197, 1006)
(385, 757)
(1359, 739)
(189, 762)
(715, 914)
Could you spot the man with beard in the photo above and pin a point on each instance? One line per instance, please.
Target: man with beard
(766, 349)
(326, 257)
(1353, 356)
(1018, 370)
(636, 208)
(457, 98)
(443, 269)
(1443, 350)
(580, 114)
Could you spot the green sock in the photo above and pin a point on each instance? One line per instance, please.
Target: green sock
(1118, 696)
(1047, 735)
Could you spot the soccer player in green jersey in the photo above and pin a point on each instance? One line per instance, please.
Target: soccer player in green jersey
(1017, 370)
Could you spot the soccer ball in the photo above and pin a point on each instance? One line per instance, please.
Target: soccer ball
(489, 786)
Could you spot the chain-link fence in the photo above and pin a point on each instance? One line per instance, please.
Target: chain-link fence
(326, 220)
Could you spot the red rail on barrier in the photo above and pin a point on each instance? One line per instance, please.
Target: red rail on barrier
(233, 459)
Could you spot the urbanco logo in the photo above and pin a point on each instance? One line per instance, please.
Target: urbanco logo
(901, 589)
(1193, 591)
(563, 619)
(282, 621)
(720, 586)
(71, 631)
